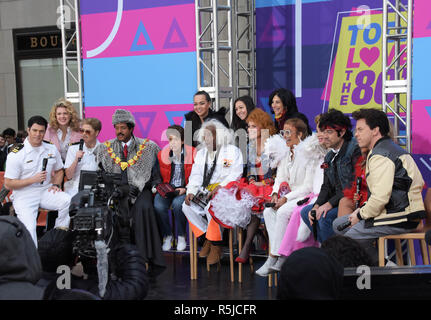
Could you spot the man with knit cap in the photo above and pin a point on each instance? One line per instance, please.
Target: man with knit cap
(136, 160)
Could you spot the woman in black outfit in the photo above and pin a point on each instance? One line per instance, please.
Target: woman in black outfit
(202, 111)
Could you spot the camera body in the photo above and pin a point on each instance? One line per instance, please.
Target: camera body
(92, 210)
(201, 198)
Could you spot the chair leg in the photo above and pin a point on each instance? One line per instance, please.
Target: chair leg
(270, 275)
(195, 256)
(424, 252)
(232, 276)
(239, 252)
(381, 249)
(399, 252)
(192, 256)
(412, 252)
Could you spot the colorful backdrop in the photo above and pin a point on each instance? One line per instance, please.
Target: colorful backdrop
(140, 56)
(331, 58)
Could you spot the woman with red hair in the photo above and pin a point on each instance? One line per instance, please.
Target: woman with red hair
(247, 197)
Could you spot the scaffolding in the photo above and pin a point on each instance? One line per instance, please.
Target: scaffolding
(71, 52)
(225, 52)
(400, 84)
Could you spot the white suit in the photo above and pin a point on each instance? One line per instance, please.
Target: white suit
(24, 164)
(299, 174)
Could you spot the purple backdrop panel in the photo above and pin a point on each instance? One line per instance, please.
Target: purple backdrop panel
(140, 32)
(151, 121)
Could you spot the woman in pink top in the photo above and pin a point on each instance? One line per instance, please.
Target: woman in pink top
(64, 126)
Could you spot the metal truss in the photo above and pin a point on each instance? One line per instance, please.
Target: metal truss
(400, 71)
(71, 48)
(225, 49)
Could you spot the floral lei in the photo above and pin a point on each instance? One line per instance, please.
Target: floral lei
(125, 164)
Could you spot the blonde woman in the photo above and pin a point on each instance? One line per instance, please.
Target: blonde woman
(64, 126)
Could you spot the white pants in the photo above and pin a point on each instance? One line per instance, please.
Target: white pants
(27, 205)
(202, 222)
(276, 223)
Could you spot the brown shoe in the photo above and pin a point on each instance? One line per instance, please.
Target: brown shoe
(205, 249)
(215, 255)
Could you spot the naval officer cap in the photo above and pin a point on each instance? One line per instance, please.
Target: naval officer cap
(122, 116)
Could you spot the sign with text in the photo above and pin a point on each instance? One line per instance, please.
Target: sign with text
(357, 81)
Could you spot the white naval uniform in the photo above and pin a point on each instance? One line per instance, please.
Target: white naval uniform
(26, 163)
(88, 162)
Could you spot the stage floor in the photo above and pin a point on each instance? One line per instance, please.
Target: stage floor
(174, 282)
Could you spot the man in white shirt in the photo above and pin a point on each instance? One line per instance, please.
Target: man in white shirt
(77, 159)
(217, 163)
(34, 171)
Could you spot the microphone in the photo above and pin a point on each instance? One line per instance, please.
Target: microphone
(81, 147)
(44, 164)
(358, 189)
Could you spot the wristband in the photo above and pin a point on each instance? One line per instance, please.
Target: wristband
(358, 215)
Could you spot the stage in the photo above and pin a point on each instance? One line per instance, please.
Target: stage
(394, 283)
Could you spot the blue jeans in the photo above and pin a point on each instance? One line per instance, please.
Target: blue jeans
(162, 205)
(324, 224)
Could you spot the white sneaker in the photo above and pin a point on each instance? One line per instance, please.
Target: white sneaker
(167, 243)
(263, 271)
(277, 266)
(181, 243)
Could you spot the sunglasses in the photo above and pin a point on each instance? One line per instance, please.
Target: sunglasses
(86, 131)
(286, 133)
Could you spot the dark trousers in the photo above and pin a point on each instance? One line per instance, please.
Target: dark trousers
(145, 228)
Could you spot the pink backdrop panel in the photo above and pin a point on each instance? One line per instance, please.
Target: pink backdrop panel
(421, 119)
(151, 121)
(422, 19)
(157, 30)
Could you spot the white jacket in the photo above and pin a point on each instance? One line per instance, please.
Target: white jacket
(300, 172)
(229, 168)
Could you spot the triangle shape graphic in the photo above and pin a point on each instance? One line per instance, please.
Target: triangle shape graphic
(141, 41)
(176, 117)
(144, 120)
(273, 31)
(141, 47)
(175, 30)
(428, 109)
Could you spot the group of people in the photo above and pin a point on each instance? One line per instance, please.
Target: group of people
(303, 185)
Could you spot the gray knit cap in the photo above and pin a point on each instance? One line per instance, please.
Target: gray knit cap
(122, 116)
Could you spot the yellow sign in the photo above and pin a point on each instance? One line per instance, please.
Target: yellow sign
(357, 81)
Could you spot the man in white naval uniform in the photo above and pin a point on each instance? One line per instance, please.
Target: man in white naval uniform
(32, 186)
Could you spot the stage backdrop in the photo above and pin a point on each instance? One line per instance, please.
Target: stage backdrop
(331, 58)
(140, 56)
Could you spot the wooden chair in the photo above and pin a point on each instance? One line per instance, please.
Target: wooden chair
(419, 234)
(194, 256)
